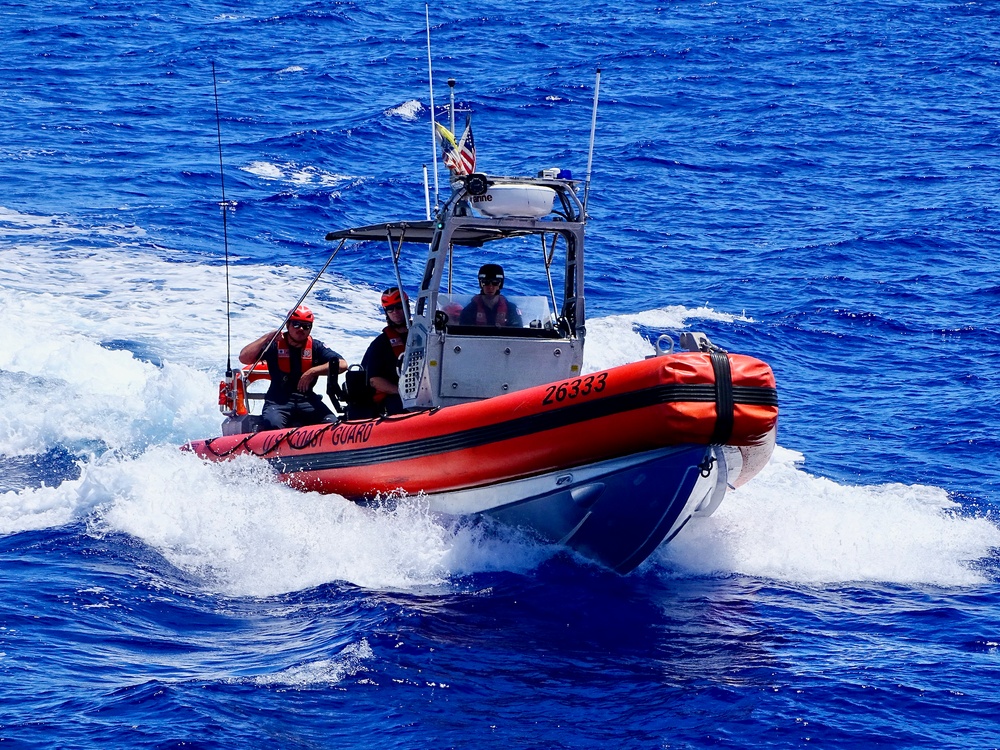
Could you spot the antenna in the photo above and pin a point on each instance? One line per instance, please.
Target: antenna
(288, 315)
(451, 106)
(590, 155)
(430, 84)
(427, 195)
(225, 232)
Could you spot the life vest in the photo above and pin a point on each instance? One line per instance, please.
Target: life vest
(481, 311)
(397, 341)
(284, 354)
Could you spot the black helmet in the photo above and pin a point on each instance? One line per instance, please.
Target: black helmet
(491, 272)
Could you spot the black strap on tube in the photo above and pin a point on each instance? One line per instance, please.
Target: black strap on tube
(724, 405)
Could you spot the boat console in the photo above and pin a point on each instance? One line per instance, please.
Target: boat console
(448, 363)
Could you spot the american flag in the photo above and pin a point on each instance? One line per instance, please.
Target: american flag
(467, 149)
(460, 156)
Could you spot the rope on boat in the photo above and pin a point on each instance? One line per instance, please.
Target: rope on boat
(244, 444)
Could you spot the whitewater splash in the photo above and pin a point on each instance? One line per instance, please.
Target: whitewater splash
(352, 660)
(408, 110)
(130, 371)
(789, 525)
(239, 532)
(299, 175)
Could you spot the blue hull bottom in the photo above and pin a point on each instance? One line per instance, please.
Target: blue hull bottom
(615, 512)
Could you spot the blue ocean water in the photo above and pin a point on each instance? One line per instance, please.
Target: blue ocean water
(811, 183)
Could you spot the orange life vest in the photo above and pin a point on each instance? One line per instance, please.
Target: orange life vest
(284, 354)
(501, 308)
(397, 340)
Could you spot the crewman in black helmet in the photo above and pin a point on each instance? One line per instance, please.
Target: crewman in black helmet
(489, 307)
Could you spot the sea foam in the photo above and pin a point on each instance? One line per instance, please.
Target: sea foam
(790, 525)
(134, 349)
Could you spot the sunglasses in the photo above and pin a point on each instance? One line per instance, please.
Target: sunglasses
(394, 308)
(300, 324)
(491, 282)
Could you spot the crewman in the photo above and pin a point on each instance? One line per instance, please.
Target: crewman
(489, 307)
(384, 358)
(295, 360)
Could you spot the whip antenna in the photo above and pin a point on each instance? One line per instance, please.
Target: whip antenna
(451, 106)
(225, 232)
(427, 195)
(301, 299)
(590, 155)
(430, 84)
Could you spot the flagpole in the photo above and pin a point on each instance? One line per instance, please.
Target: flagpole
(430, 84)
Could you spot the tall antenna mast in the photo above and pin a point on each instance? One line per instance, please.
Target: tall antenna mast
(451, 106)
(427, 195)
(225, 232)
(590, 155)
(430, 84)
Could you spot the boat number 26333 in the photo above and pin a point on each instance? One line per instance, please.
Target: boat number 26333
(571, 389)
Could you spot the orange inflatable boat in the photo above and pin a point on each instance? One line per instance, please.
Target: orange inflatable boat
(501, 419)
(477, 457)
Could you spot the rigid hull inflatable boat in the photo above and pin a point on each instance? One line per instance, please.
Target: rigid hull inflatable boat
(504, 422)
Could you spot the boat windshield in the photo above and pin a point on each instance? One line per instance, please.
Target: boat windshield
(534, 312)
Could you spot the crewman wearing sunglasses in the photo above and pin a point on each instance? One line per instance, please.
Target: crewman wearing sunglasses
(489, 307)
(295, 360)
(384, 357)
